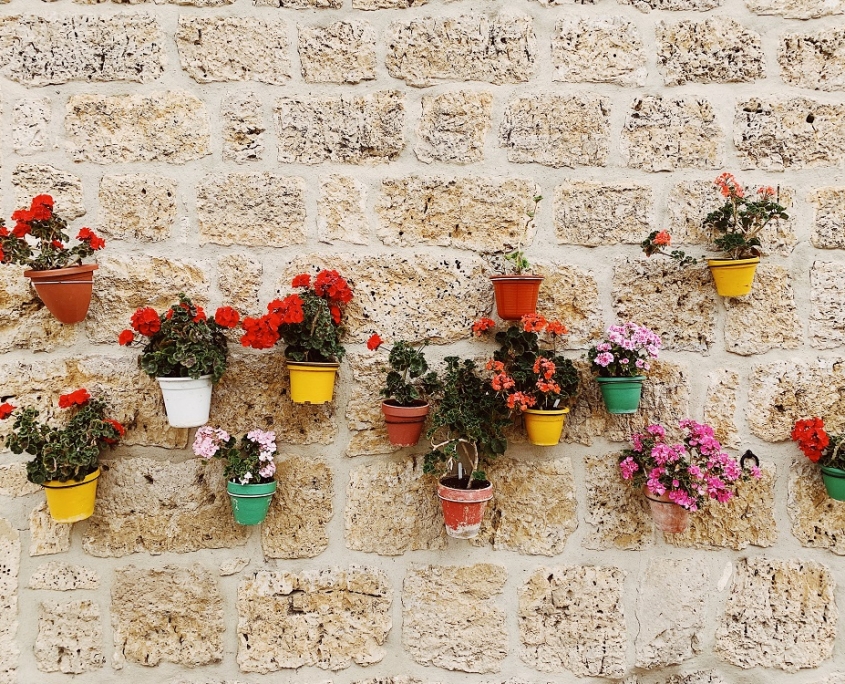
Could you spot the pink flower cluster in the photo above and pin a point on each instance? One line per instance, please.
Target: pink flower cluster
(208, 440)
(266, 441)
(626, 351)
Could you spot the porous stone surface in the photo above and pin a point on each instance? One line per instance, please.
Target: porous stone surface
(828, 218)
(814, 59)
(239, 278)
(797, 9)
(171, 614)
(386, 4)
(233, 566)
(779, 614)
(65, 188)
(10, 559)
(674, 5)
(301, 4)
(341, 52)
(70, 637)
(437, 598)
(61, 576)
(600, 50)
(47, 537)
(31, 122)
(817, 520)
(557, 130)
(137, 207)
(571, 619)
(827, 329)
(453, 126)
(341, 210)
(340, 128)
(13, 482)
(720, 406)
(472, 47)
(570, 294)
(243, 127)
(278, 613)
(595, 214)
(667, 133)
(364, 416)
(234, 49)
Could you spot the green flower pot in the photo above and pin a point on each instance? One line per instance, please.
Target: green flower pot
(621, 395)
(834, 482)
(250, 502)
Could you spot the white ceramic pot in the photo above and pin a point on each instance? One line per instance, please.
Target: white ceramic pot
(187, 401)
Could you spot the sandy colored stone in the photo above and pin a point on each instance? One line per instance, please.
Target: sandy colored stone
(780, 613)
(797, 133)
(137, 206)
(598, 50)
(70, 637)
(37, 51)
(557, 130)
(570, 294)
(668, 133)
(386, 4)
(31, 121)
(453, 127)
(364, 417)
(59, 576)
(571, 619)
(501, 48)
(168, 126)
(42, 179)
(828, 218)
(171, 614)
(243, 127)
(301, 4)
(233, 566)
(342, 210)
(797, 9)
(301, 509)
(814, 60)
(239, 279)
(46, 536)
(720, 406)
(234, 49)
(189, 3)
(13, 481)
(674, 5)
(817, 520)
(279, 614)
(254, 209)
(827, 329)
(10, 558)
(341, 52)
(437, 600)
(596, 214)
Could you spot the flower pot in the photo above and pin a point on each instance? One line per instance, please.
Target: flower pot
(516, 295)
(404, 423)
(187, 401)
(733, 277)
(834, 482)
(312, 383)
(463, 509)
(66, 292)
(544, 427)
(621, 395)
(250, 502)
(668, 516)
(72, 501)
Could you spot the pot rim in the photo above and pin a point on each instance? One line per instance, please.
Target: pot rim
(64, 270)
(316, 364)
(629, 378)
(514, 276)
(547, 412)
(88, 479)
(207, 376)
(733, 262)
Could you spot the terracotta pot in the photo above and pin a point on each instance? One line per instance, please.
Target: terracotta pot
(463, 509)
(516, 295)
(66, 292)
(668, 516)
(404, 423)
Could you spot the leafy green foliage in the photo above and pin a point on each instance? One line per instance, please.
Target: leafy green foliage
(317, 337)
(517, 259)
(409, 379)
(654, 243)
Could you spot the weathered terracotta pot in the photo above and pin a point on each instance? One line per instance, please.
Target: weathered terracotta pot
(668, 516)
(66, 292)
(516, 295)
(404, 423)
(463, 509)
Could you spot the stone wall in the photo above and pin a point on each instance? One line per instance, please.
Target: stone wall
(223, 146)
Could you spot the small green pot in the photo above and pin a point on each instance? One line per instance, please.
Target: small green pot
(621, 395)
(250, 502)
(834, 482)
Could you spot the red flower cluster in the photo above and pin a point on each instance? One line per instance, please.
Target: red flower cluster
(374, 342)
(288, 310)
(482, 325)
(811, 437)
(146, 321)
(259, 333)
(663, 239)
(117, 426)
(521, 400)
(302, 280)
(6, 410)
(200, 316)
(87, 235)
(729, 186)
(534, 323)
(126, 338)
(79, 397)
(331, 285)
(40, 209)
(227, 317)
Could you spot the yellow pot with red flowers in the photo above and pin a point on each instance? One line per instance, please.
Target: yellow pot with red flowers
(825, 450)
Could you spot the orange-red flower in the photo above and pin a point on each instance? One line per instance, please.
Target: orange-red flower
(200, 315)
(6, 410)
(533, 323)
(117, 426)
(481, 325)
(227, 317)
(126, 338)
(663, 239)
(729, 185)
(811, 437)
(556, 328)
(302, 280)
(259, 333)
(331, 285)
(334, 310)
(78, 397)
(146, 321)
(94, 241)
(767, 191)
(374, 342)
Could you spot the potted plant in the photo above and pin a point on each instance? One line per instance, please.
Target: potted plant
(735, 229)
(407, 388)
(186, 353)
(677, 478)
(620, 360)
(39, 241)
(516, 292)
(65, 460)
(467, 427)
(248, 466)
(310, 324)
(825, 450)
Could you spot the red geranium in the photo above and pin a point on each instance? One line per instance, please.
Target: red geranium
(481, 325)
(200, 315)
(259, 333)
(80, 397)
(811, 437)
(227, 317)
(302, 280)
(331, 285)
(146, 321)
(117, 426)
(86, 234)
(6, 410)
(374, 342)
(126, 338)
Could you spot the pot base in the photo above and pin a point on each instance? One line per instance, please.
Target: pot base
(463, 509)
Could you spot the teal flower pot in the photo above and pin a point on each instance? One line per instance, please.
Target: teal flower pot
(250, 502)
(621, 395)
(834, 482)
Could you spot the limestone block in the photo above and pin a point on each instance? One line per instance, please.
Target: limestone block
(243, 127)
(255, 209)
(720, 406)
(453, 126)
(596, 214)
(70, 637)
(10, 559)
(341, 52)
(600, 50)
(827, 329)
(341, 210)
(364, 417)
(301, 509)
(239, 279)
(557, 130)
(664, 134)
(708, 51)
(498, 49)
(170, 126)
(817, 520)
(233, 566)
(234, 49)
(120, 47)
(341, 128)
(386, 4)
(301, 4)
(329, 618)
(796, 133)
(13, 482)
(814, 60)
(172, 614)
(31, 121)
(571, 618)
(828, 218)
(451, 618)
(570, 294)
(780, 613)
(42, 179)
(797, 9)
(674, 5)
(137, 206)
(475, 212)
(191, 3)
(47, 537)
(59, 576)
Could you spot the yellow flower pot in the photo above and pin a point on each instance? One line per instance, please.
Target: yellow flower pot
(733, 277)
(312, 383)
(72, 501)
(544, 427)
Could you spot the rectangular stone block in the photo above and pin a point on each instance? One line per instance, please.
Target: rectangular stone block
(364, 416)
(31, 125)
(47, 537)
(239, 279)
(828, 218)
(827, 328)
(342, 52)
(596, 214)
(301, 4)
(243, 127)
(571, 295)
(453, 127)
(10, 559)
(813, 60)
(65, 188)
(342, 210)
(13, 482)
(797, 9)
(720, 406)
(59, 576)
(70, 637)
(386, 4)
(602, 50)
(818, 522)
(137, 207)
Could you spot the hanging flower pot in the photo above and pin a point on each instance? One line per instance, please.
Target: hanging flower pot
(250, 502)
(66, 292)
(733, 277)
(544, 427)
(463, 509)
(834, 482)
(72, 501)
(668, 516)
(516, 295)
(404, 423)
(187, 401)
(312, 383)
(621, 395)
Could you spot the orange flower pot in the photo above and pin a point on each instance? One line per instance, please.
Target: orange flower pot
(463, 509)
(66, 292)
(404, 423)
(516, 295)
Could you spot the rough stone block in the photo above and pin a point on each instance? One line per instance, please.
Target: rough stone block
(720, 406)
(437, 600)
(47, 537)
(453, 126)
(828, 218)
(342, 210)
(673, 5)
(827, 328)
(189, 3)
(279, 613)
(557, 130)
(70, 637)
(42, 179)
(58, 576)
(301, 4)
(137, 206)
(817, 520)
(13, 482)
(797, 9)
(239, 279)
(10, 559)
(601, 50)
(243, 127)
(596, 214)
(814, 60)
(31, 121)
(386, 4)
(364, 417)
(233, 566)
(342, 52)
(570, 294)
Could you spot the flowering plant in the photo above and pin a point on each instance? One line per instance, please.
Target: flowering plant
(309, 322)
(249, 461)
(182, 342)
(689, 471)
(817, 445)
(46, 247)
(625, 352)
(71, 452)
(409, 381)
